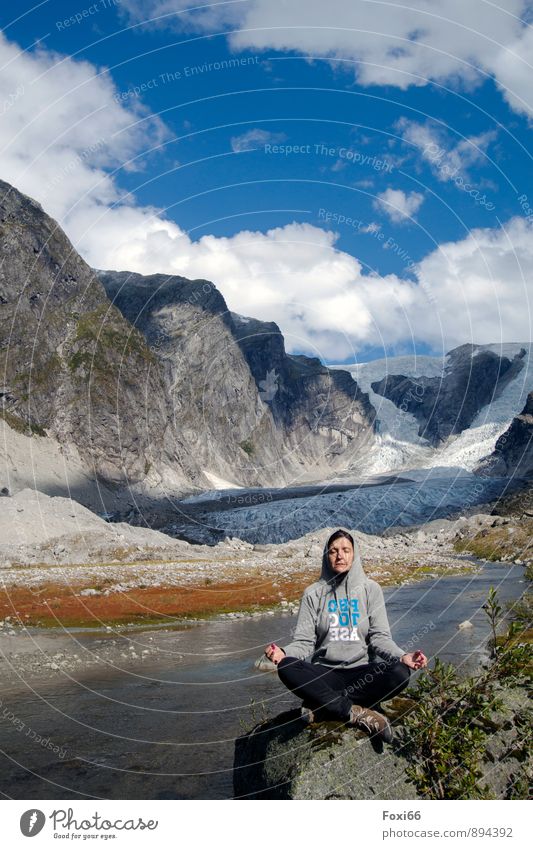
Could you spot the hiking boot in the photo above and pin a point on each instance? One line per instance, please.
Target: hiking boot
(307, 715)
(371, 721)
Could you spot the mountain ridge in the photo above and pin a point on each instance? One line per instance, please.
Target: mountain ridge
(150, 384)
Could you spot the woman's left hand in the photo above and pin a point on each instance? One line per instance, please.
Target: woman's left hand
(415, 660)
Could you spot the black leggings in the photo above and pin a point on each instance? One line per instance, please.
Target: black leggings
(330, 692)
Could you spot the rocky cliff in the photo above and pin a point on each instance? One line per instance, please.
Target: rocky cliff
(216, 408)
(70, 365)
(160, 389)
(322, 411)
(151, 381)
(245, 409)
(513, 452)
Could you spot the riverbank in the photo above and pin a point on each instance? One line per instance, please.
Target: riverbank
(45, 607)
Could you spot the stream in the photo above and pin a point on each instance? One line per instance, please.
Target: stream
(167, 731)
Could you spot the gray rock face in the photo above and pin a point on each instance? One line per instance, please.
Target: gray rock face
(448, 405)
(70, 364)
(216, 409)
(311, 403)
(286, 759)
(513, 452)
(245, 409)
(161, 387)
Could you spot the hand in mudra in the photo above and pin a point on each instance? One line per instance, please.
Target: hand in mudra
(274, 653)
(415, 660)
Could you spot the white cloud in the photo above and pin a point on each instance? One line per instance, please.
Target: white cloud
(254, 138)
(474, 290)
(372, 228)
(399, 206)
(66, 130)
(447, 159)
(178, 14)
(479, 289)
(62, 136)
(386, 43)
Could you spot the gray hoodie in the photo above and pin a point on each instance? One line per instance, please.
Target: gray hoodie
(341, 617)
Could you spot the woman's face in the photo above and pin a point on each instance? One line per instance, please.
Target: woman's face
(340, 555)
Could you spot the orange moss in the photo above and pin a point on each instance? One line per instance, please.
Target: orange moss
(52, 604)
(59, 605)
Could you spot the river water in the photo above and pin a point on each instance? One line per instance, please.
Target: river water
(168, 731)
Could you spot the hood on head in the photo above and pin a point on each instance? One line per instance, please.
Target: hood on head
(355, 576)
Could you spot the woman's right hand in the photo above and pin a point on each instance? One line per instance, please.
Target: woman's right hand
(274, 653)
(415, 660)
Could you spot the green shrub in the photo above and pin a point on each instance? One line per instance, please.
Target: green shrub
(446, 733)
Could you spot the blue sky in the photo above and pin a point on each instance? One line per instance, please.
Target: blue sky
(362, 177)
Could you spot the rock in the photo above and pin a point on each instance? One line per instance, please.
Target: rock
(513, 452)
(265, 665)
(463, 626)
(271, 400)
(286, 759)
(507, 747)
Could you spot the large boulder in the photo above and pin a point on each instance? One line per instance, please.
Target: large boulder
(286, 759)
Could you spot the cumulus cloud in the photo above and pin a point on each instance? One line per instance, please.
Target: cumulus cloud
(64, 129)
(399, 206)
(255, 138)
(65, 133)
(385, 43)
(478, 289)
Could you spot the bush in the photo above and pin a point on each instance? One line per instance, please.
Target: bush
(446, 734)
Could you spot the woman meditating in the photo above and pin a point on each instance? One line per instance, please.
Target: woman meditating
(342, 626)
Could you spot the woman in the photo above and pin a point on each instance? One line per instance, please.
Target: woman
(342, 616)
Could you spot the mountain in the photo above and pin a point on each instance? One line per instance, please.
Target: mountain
(162, 390)
(446, 405)
(247, 411)
(127, 385)
(72, 367)
(445, 411)
(310, 402)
